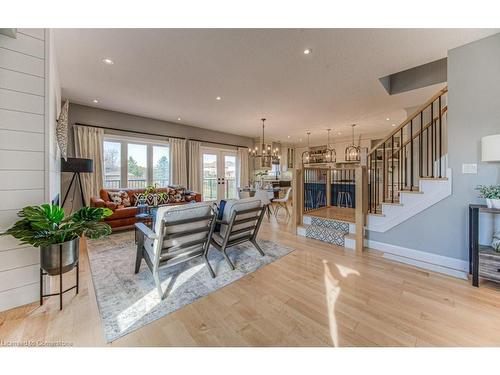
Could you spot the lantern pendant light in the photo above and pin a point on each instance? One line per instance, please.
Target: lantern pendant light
(330, 153)
(352, 152)
(306, 155)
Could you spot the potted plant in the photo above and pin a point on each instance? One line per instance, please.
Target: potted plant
(47, 227)
(492, 195)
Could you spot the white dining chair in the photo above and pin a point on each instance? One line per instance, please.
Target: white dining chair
(283, 203)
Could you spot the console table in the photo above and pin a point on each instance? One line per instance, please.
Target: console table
(489, 259)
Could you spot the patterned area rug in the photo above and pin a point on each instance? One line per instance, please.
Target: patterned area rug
(128, 301)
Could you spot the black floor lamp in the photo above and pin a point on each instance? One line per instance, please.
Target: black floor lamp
(76, 166)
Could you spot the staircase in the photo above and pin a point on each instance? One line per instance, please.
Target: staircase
(402, 175)
(407, 170)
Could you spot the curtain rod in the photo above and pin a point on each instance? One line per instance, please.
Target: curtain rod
(157, 135)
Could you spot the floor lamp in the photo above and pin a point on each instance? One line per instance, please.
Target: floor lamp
(76, 166)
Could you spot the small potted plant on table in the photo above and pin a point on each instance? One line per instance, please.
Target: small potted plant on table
(58, 236)
(492, 195)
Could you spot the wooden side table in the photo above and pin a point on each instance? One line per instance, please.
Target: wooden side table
(483, 260)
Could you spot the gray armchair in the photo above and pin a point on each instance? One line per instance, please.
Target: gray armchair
(240, 223)
(181, 233)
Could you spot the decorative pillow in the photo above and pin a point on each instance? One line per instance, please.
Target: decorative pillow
(119, 198)
(150, 198)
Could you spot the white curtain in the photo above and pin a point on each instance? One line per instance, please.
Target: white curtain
(243, 167)
(179, 161)
(194, 166)
(88, 145)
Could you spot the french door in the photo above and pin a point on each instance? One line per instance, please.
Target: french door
(219, 174)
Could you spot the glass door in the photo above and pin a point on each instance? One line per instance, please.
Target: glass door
(219, 174)
(229, 181)
(210, 176)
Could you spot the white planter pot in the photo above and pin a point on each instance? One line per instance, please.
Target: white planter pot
(493, 203)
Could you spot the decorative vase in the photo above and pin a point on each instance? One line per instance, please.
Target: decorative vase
(493, 203)
(142, 207)
(49, 256)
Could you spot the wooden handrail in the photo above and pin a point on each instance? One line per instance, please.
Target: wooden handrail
(410, 118)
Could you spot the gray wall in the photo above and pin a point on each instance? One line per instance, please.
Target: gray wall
(100, 117)
(474, 112)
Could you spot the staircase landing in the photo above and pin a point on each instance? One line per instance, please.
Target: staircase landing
(334, 213)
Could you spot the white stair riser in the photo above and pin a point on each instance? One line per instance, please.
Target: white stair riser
(307, 220)
(432, 191)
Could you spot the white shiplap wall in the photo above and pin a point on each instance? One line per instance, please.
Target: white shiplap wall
(23, 156)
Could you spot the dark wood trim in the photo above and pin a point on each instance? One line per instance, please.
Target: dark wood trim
(156, 135)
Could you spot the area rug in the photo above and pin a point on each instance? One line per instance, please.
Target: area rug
(128, 301)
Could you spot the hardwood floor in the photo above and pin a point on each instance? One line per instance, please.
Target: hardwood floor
(319, 295)
(338, 213)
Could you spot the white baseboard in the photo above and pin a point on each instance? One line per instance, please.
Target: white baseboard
(432, 262)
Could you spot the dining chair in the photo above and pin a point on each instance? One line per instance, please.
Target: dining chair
(283, 203)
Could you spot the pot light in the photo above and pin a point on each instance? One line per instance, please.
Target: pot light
(307, 51)
(288, 137)
(393, 125)
(218, 98)
(387, 119)
(108, 61)
(179, 119)
(95, 101)
(339, 133)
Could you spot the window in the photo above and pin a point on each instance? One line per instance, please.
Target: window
(112, 164)
(137, 166)
(161, 165)
(135, 163)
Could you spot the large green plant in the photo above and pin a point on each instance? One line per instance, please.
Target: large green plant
(47, 224)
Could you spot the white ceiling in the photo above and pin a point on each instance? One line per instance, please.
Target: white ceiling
(171, 73)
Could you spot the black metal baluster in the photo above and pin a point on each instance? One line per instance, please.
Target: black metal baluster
(432, 139)
(401, 159)
(411, 155)
(420, 145)
(383, 173)
(392, 169)
(369, 183)
(440, 139)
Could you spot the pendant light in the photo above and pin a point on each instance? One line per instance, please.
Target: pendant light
(306, 155)
(265, 152)
(352, 152)
(330, 153)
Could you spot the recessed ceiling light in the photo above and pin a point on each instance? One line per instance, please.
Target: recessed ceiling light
(393, 125)
(178, 119)
(288, 137)
(300, 139)
(339, 133)
(307, 51)
(108, 61)
(387, 119)
(95, 101)
(218, 98)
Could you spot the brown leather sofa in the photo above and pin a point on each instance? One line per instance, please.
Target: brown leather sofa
(124, 217)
